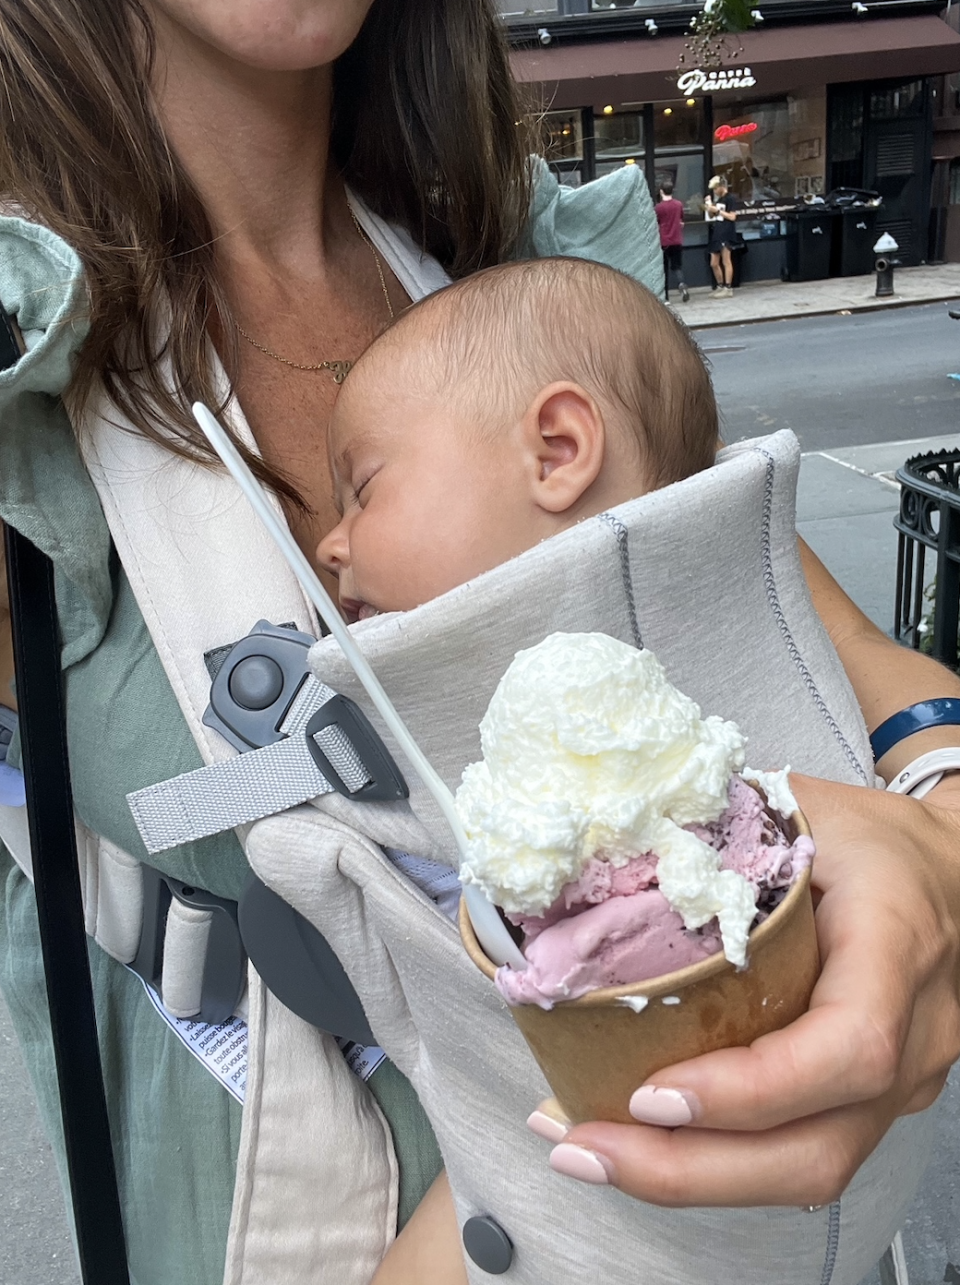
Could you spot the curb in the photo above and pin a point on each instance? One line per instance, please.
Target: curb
(895, 302)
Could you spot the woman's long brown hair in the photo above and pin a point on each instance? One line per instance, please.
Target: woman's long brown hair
(424, 128)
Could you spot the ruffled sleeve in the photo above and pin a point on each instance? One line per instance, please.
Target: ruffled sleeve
(610, 220)
(45, 492)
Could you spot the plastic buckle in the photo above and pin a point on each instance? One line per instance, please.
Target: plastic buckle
(385, 781)
(254, 684)
(225, 963)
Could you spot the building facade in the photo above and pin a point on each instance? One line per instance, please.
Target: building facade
(820, 98)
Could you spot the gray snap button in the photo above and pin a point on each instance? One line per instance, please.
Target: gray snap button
(488, 1245)
(256, 682)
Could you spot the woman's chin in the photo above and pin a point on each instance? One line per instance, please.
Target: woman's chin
(269, 35)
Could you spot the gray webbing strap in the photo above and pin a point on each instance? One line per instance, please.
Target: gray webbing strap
(257, 784)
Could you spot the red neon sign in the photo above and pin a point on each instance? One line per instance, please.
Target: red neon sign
(723, 132)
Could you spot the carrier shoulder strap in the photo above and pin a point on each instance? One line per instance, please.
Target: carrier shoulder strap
(86, 1129)
(202, 569)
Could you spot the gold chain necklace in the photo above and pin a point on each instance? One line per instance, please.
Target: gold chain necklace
(339, 369)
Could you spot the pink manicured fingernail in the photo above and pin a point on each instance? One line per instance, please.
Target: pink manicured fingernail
(544, 1126)
(667, 1107)
(577, 1162)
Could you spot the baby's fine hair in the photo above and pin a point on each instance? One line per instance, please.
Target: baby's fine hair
(494, 339)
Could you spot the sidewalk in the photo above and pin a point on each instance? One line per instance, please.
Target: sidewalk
(774, 300)
(846, 502)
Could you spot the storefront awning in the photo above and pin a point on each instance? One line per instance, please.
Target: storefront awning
(644, 69)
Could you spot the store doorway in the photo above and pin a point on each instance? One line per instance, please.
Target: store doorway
(897, 164)
(880, 137)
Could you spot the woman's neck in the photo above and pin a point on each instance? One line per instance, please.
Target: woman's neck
(255, 144)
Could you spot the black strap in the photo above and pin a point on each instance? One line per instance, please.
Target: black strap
(93, 1178)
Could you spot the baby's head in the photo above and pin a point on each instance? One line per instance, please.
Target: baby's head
(500, 411)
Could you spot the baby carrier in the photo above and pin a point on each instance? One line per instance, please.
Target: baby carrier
(705, 573)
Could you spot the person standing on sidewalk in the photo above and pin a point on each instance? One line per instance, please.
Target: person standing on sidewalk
(721, 207)
(669, 213)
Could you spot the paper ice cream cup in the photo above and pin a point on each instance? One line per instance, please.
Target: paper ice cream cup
(595, 1051)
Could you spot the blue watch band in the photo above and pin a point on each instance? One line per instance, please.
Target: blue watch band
(940, 712)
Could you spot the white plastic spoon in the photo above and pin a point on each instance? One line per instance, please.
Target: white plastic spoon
(490, 929)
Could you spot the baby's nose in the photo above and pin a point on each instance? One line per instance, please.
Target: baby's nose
(334, 549)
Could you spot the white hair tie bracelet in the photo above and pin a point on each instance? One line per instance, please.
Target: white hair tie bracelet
(919, 777)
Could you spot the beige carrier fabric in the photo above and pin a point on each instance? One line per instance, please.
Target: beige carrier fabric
(708, 572)
(203, 573)
(110, 883)
(316, 1196)
(198, 562)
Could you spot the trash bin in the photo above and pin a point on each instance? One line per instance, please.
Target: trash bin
(809, 243)
(858, 232)
(929, 518)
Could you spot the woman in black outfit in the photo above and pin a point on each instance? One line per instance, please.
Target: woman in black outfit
(722, 208)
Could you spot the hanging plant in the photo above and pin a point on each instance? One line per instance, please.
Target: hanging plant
(708, 45)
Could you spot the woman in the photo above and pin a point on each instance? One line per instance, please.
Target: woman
(721, 207)
(217, 177)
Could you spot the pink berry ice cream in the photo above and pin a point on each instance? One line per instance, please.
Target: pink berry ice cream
(613, 825)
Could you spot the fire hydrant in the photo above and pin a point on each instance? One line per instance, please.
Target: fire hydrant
(885, 265)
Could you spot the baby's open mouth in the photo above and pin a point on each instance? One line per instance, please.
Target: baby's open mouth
(354, 609)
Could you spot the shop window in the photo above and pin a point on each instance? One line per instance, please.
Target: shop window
(953, 190)
(772, 150)
(618, 139)
(751, 149)
(808, 142)
(618, 136)
(846, 136)
(898, 101)
(684, 169)
(678, 139)
(679, 123)
(560, 136)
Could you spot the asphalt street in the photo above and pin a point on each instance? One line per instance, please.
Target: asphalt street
(862, 392)
(839, 381)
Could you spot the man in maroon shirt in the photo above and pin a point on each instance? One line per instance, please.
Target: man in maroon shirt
(669, 213)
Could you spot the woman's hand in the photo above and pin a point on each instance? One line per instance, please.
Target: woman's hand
(789, 1120)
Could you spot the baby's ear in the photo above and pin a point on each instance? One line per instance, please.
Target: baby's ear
(565, 432)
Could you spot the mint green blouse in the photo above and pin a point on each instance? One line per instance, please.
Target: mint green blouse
(175, 1129)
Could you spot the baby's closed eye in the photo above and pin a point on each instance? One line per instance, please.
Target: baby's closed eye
(358, 489)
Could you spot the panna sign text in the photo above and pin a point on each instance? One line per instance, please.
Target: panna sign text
(711, 82)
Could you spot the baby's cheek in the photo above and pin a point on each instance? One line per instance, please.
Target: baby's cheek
(383, 571)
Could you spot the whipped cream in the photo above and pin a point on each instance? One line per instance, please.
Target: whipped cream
(776, 786)
(588, 749)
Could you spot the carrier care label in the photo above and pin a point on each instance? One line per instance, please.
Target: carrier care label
(222, 1049)
(362, 1059)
